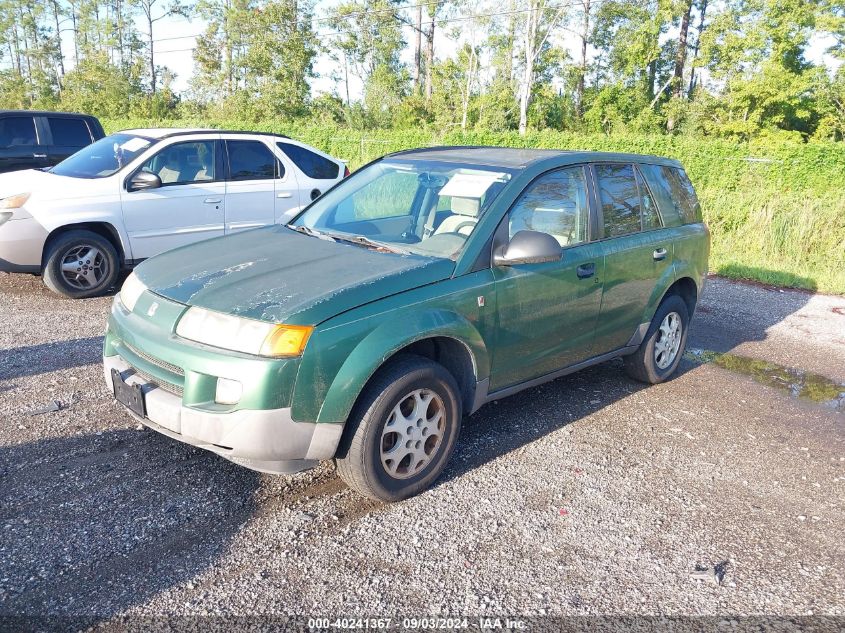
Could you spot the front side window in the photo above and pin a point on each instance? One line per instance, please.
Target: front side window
(556, 204)
(17, 131)
(103, 158)
(416, 206)
(620, 199)
(312, 164)
(183, 163)
(250, 160)
(69, 132)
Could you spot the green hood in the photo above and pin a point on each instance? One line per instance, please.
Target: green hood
(278, 275)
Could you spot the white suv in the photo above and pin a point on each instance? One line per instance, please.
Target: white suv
(138, 193)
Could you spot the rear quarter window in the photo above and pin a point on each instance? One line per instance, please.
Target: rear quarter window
(310, 163)
(676, 197)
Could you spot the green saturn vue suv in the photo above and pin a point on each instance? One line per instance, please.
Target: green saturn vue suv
(428, 283)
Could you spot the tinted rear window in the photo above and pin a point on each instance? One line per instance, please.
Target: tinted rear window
(250, 160)
(16, 131)
(620, 199)
(312, 164)
(676, 196)
(69, 132)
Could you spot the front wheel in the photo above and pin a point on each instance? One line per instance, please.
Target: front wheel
(660, 352)
(80, 264)
(402, 431)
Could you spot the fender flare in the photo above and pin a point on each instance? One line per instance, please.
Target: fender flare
(388, 339)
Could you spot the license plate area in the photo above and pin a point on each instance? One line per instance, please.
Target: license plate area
(130, 396)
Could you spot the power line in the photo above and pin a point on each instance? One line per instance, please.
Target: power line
(441, 22)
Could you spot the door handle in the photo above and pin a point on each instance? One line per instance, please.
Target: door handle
(213, 200)
(659, 254)
(284, 194)
(586, 270)
(39, 155)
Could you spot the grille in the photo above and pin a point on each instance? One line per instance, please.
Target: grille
(173, 369)
(158, 382)
(149, 378)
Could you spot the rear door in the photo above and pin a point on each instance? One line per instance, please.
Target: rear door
(188, 207)
(547, 312)
(316, 172)
(68, 136)
(250, 186)
(20, 145)
(637, 252)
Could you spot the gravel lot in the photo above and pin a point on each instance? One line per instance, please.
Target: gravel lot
(720, 492)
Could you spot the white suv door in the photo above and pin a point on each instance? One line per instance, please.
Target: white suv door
(189, 205)
(250, 187)
(315, 172)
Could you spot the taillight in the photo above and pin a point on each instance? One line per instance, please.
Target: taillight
(346, 171)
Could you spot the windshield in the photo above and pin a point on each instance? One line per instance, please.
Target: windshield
(103, 158)
(422, 207)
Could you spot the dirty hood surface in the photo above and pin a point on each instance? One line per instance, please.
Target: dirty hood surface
(278, 275)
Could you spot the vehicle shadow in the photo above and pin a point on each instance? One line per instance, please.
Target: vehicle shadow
(32, 360)
(94, 524)
(728, 314)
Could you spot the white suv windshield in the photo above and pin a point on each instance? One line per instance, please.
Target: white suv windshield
(423, 207)
(103, 158)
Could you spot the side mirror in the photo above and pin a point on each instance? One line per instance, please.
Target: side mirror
(528, 247)
(144, 180)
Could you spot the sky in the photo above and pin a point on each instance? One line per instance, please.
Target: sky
(175, 36)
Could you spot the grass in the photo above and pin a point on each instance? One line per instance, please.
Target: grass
(776, 210)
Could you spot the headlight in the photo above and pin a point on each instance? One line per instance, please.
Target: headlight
(14, 202)
(130, 291)
(242, 335)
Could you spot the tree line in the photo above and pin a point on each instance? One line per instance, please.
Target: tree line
(729, 68)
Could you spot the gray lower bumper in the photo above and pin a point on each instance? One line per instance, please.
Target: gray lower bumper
(268, 441)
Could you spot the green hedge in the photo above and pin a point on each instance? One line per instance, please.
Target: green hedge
(776, 210)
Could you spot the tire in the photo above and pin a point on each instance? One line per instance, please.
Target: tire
(92, 276)
(400, 389)
(647, 364)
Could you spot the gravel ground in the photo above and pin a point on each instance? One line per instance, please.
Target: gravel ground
(720, 492)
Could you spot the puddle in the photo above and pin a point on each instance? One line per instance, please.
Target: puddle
(800, 384)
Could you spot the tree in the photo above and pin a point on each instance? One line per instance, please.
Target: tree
(154, 11)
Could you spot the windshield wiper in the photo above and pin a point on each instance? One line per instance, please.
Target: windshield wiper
(308, 231)
(360, 240)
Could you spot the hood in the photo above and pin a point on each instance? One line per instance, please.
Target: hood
(278, 275)
(46, 186)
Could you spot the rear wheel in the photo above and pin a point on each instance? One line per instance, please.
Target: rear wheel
(80, 264)
(403, 430)
(660, 352)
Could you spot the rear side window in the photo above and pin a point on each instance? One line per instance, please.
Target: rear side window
(620, 199)
(69, 132)
(312, 164)
(250, 160)
(17, 130)
(676, 196)
(651, 217)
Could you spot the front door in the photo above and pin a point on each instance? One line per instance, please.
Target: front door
(189, 205)
(251, 188)
(637, 252)
(547, 312)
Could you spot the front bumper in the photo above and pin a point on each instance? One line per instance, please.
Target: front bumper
(264, 440)
(21, 245)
